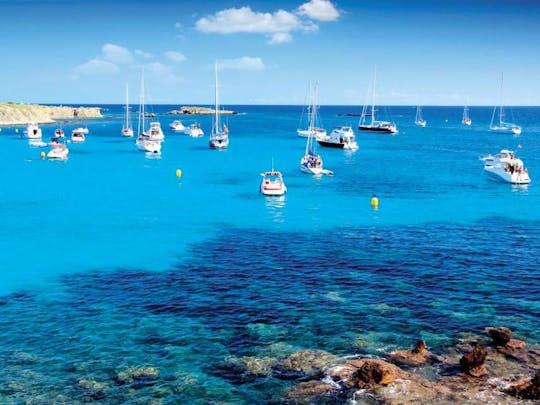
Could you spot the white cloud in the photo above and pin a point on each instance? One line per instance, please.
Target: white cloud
(96, 67)
(243, 63)
(178, 25)
(322, 10)
(116, 54)
(244, 19)
(144, 54)
(280, 38)
(175, 56)
(165, 72)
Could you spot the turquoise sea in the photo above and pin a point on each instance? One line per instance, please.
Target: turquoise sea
(109, 261)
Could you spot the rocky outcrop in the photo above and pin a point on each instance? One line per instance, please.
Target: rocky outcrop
(311, 392)
(253, 366)
(12, 114)
(418, 356)
(500, 335)
(192, 110)
(473, 362)
(526, 389)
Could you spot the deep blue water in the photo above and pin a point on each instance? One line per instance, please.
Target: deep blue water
(109, 261)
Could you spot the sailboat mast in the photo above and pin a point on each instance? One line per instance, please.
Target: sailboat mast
(143, 112)
(373, 97)
(501, 101)
(127, 106)
(216, 100)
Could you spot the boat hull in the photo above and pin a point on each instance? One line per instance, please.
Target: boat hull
(148, 146)
(128, 133)
(376, 129)
(331, 144)
(219, 142)
(499, 174)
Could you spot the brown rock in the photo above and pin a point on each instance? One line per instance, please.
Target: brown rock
(500, 335)
(526, 389)
(362, 372)
(414, 357)
(473, 363)
(310, 392)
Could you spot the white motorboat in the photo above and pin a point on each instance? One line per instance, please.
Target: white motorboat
(374, 125)
(466, 119)
(419, 120)
(58, 151)
(314, 127)
(146, 140)
(127, 130)
(33, 131)
(219, 137)
(504, 166)
(81, 130)
(177, 126)
(502, 126)
(340, 137)
(77, 135)
(194, 130)
(272, 183)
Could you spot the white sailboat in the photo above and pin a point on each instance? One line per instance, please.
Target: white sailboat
(144, 142)
(374, 125)
(127, 130)
(312, 162)
(33, 131)
(219, 137)
(313, 125)
(501, 126)
(419, 120)
(466, 119)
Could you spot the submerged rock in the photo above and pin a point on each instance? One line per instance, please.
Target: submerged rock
(137, 374)
(93, 390)
(311, 392)
(500, 335)
(255, 366)
(22, 358)
(361, 372)
(307, 362)
(473, 362)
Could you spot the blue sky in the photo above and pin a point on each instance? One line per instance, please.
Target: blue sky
(434, 52)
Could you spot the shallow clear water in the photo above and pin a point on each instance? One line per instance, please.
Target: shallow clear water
(110, 261)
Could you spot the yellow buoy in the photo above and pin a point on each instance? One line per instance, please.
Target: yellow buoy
(178, 173)
(374, 202)
(43, 155)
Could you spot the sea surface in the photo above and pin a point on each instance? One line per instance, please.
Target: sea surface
(109, 261)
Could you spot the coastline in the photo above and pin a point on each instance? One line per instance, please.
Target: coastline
(12, 114)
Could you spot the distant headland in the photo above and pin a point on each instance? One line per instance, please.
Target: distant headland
(21, 114)
(187, 110)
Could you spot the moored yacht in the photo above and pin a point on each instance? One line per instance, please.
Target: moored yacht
(504, 166)
(502, 126)
(77, 135)
(466, 119)
(374, 125)
(58, 151)
(127, 130)
(177, 126)
(419, 120)
(58, 134)
(272, 183)
(144, 141)
(33, 131)
(219, 137)
(340, 137)
(194, 130)
(313, 120)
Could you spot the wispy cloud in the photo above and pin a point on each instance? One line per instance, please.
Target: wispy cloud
(322, 10)
(96, 67)
(163, 71)
(143, 54)
(243, 63)
(175, 56)
(276, 25)
(116, 54)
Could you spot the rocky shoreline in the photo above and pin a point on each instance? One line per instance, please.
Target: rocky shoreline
(474, 370)
(193, 110)
(12, 114)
